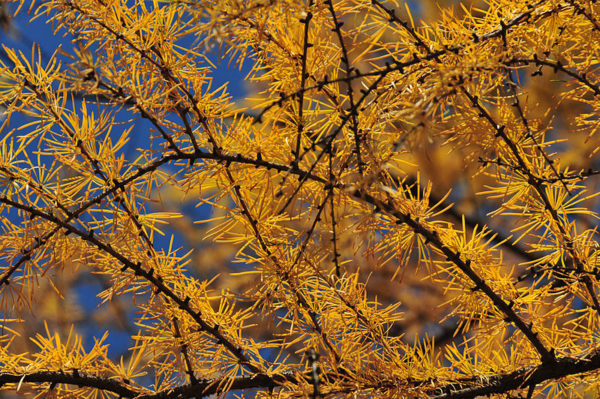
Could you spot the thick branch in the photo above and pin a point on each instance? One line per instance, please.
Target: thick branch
(524, 377)
(72, 378)
(197, 390)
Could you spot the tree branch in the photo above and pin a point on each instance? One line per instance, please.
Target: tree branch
(503, 383)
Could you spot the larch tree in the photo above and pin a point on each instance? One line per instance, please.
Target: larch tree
(404, 206)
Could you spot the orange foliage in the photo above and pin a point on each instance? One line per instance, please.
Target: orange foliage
(405, 205)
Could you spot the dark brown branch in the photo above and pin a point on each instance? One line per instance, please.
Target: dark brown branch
(557, 66)
(334, 223)
(337, 28)
(306, 45)
(211, 387)
(581, 175)
(503, 383)
(517, 105)
(540, 189)
(432, 237)
(471, 221)
(183, 348)
(199, 389)
(155, 280)
(588, 14)
(71, 378)
(142, 170)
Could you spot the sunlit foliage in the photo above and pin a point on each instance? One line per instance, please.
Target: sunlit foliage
(403, 206)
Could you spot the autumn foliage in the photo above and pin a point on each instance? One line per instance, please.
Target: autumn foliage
(405, 205)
